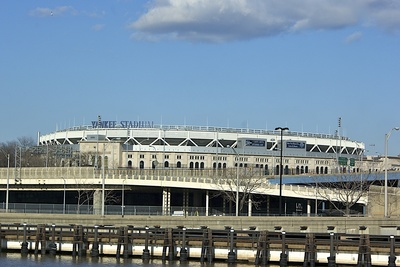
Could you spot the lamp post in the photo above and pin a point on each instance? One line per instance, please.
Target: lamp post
(386, 158)
(123, 199)
(237, 183)
(64, 196)
(8, 182)
(281, 168)
(103, 181)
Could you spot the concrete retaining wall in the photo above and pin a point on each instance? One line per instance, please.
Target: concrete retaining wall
(356, 225)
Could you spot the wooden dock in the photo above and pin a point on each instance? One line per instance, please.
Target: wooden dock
(204, 244)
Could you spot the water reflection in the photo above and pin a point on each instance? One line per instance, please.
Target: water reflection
(16, 260)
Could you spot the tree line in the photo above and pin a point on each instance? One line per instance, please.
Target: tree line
(20, 153)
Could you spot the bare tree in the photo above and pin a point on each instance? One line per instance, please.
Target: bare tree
(85, 192)
(246, 181)
(343, 190)
(86, 195)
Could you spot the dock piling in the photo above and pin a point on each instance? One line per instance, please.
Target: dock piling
(231, 254)
(262, 256)
(283, 261)
(95, 246)
(364, 252)
(146, 252)
(183, 254)
(332, 254)
(52, 247)
(310, 251)
(24, 245)
(392, 257)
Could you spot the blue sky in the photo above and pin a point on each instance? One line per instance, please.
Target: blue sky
(237, 63)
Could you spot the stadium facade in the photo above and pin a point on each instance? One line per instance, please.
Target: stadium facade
(145, 145)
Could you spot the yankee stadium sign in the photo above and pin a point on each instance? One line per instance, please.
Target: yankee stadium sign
(122, 124)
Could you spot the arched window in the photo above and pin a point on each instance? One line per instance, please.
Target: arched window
(141, 164)
(224, 165)
(297, 170)
(166, 164)
(129, 163)
(153, 164)
(191, 165)
(317, 170)
(214, 165)
(302, 169)
(196, 165)
(306, 169)
(286, 169)
(202, 165)
(179, 164)
(219, 165)
(326, 170)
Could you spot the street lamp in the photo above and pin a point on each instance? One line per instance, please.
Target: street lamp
(103, 181)
(123, 199)
(237, 183)
(8, 182)
(64, 197)
(386, 158)
(281, 168)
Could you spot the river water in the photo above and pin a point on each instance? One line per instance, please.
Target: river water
(31, 260)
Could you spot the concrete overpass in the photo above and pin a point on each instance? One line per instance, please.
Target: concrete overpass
(73, 178)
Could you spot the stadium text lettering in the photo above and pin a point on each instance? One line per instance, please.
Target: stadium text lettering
(122, 124)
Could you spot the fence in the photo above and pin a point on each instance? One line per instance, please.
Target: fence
(108, 209)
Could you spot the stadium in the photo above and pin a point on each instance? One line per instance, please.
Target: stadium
(162, 169)
(144, 145)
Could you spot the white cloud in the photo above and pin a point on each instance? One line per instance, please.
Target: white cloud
(225, 20)
(98, 27)
(353, 37)
(47, 12)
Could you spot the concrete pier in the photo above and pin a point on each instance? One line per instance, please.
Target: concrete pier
(181, 243)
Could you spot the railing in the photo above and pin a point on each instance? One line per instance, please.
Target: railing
(124, 173)
(108, 209)
(216, 129)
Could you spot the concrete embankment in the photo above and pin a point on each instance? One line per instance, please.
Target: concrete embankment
(350, 225)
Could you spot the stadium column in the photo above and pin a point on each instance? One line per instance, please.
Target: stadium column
(166, 201)
(97, 202)
(207, 202)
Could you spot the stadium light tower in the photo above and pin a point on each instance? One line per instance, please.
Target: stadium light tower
(281, 168)
(386, 167)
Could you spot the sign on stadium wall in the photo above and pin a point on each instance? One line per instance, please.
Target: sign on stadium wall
(122, 124)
